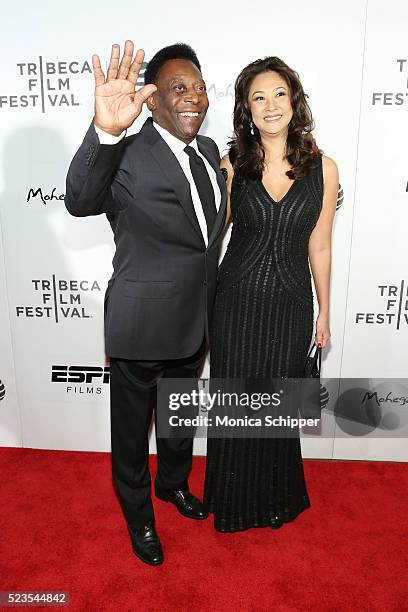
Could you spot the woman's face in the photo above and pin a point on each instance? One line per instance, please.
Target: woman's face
(269, 103)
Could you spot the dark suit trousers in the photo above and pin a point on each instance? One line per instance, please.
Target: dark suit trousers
(133, 401)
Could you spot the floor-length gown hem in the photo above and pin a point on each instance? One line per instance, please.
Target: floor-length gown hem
(232, 525)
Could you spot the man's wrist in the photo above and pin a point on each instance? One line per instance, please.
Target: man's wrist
(108, 137)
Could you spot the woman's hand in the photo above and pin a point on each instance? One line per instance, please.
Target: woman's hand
(322, 330)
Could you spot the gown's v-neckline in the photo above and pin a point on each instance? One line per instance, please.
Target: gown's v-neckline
(282, 198)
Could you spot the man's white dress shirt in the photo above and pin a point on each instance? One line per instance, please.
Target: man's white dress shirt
(177, 147)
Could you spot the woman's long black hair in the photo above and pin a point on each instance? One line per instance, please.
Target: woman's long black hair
(246, 153)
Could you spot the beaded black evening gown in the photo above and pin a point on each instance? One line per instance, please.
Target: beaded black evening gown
(262, 328)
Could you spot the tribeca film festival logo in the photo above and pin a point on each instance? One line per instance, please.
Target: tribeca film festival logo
(395, 307)
(59, 299)
(81, 380)
(48, 84)
(393, 98)
(2, 391)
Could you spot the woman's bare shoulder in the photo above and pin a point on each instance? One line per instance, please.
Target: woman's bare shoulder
(329, 165)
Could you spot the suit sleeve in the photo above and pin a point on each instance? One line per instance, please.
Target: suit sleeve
(97, 180)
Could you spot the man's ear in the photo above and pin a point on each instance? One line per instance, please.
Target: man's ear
(151, 102)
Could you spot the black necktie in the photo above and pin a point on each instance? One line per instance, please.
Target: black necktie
(204, 187)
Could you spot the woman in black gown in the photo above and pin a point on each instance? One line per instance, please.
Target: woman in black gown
(283, 194)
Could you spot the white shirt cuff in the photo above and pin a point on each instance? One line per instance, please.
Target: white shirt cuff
(108, 139)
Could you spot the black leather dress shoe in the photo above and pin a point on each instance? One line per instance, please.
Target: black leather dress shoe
(146, 544)
(186, 503)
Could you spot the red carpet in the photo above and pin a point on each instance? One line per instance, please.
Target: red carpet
(62, 529)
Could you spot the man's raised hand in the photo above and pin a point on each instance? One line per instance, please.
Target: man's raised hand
(117, 103)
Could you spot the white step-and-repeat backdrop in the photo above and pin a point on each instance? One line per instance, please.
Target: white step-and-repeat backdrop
(352, 57)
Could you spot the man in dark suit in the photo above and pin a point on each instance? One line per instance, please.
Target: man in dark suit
(165, 198)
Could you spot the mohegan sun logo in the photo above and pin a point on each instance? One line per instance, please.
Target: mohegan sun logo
(44, 195)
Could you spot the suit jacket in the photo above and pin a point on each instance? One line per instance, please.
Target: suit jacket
(159, 300)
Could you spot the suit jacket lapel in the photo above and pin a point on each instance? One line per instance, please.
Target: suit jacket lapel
(219, 221)
(172, 170)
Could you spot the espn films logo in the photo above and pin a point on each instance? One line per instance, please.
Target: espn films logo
(81, 380)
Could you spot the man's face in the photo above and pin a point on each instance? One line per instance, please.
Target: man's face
(180, 103)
